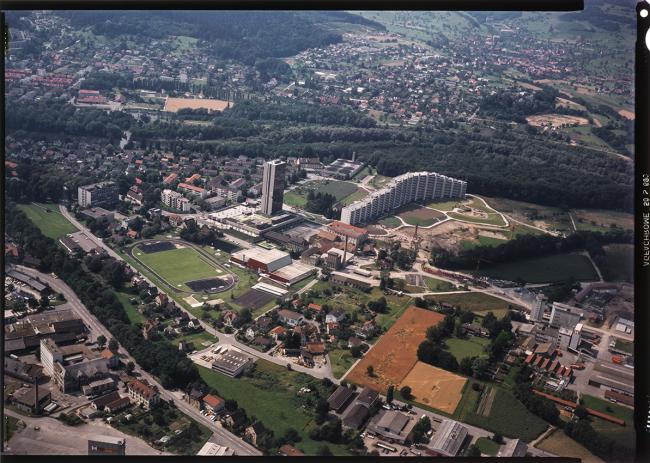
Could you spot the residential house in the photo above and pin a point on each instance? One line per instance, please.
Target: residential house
(213, 403)
(335, 316)
(144, 394)
(290, 317)
(254, 431)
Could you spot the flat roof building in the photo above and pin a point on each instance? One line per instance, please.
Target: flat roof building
(231, 363)
(449, 438)
(392, 425)
(262, 260)
(104, 194)
(107, 445)
(210, 449)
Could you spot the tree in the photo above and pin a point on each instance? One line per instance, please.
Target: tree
(498, 438)
(130, 366)
(370, 370)
(389, 393)
(405, 391)
(113, 345)
(324, 451)
(101, 341)
(580, 412)
(230, 405)
(421, 428)
(473, 451)
(322, 410)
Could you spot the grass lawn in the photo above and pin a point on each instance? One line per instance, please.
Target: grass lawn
(338, 188)
(487, 446)
(9, 426)
(482, 241)
(519, 230)
(341, 360)
(178, 266)
(356, 196)
(623, 434)
(417, 215)
(444, 206)
(293, 199)
(620, 262)
(471, 347)
(624, 346)
(131, 311)
(52, 224)
(492, 219)
(479, 303)
(601, 220)
(507, 416)
(390, 222)
(438, 285)
(379, 181)
(549, 269)
(561, 444)
(271, 396)
(197, 339)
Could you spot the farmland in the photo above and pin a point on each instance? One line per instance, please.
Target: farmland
(435, 387)
(561, 444)
(392, 365)
(48, 219)
(499, 411)
(271, 396)
(549, 269)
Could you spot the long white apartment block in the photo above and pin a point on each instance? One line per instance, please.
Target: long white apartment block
(407, 188)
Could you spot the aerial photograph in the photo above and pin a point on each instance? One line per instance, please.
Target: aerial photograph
(320, 233)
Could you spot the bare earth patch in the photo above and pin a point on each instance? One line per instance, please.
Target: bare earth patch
(627, 114)
(555, 120)
(435, 387)
(172, 105)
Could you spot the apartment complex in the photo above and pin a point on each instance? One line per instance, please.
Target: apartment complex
(273, 186)
(102, 194)
(143, 393)
(175, 200)
(407, 188)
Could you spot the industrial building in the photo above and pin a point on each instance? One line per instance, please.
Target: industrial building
(392, 425)
(514, 448)
(614, 377)
(261, 260)
(344, 231)
(405, 189)
(175, 200)
(104, 194)
(449, 438)
(292, 273)
(231, 363)
(210, 449)
(343, 169)
(273, 186)
(564, 316)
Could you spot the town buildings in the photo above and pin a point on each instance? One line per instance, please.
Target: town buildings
(175, 200)
(102, 194)
(273, 187)
(402, 190)
(142, 393)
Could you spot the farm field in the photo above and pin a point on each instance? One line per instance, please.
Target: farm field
(561, 444)
(435, 387)
(393, 356)
(499, 411)
(178, 266)
(52, 224)
(473, 346)
(548, 269)
(620, 262)
(172, 105)
(341, 361)
(271, 396)
(417, 215)
(479, 303)
(601, 220)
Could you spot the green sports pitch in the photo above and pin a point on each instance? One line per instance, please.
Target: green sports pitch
(178, 266)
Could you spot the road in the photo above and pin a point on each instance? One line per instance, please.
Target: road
(223, 436)
(54, 438)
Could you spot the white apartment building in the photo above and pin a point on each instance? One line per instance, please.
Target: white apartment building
(273, 186)
(175, 200)
(402, 190)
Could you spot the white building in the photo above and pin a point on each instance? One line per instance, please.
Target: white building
(402, 190)
(273, 186)
(175, 200)
(565, 316)
(537, 310)
(102, 194)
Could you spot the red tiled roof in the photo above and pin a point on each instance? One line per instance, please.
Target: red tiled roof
(191, 187)
(107, 354)
(213, 401)
(144, 389)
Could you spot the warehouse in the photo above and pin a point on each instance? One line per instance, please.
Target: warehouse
(620, 379)
(449, 438)
(261, 260)
(293, 273)
(231, 363)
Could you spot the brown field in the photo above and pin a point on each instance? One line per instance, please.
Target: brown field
(564, 103)
(555, 120)
(627, 114)
(172, 105)
(396, 352)
(435, 387)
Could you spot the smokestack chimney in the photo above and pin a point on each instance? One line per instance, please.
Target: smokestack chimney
(36, 395)
(345, 251)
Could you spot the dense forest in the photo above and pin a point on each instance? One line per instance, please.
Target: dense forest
(244, 36)
(504, 104)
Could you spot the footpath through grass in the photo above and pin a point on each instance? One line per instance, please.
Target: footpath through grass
(271, 396)
(52, 224)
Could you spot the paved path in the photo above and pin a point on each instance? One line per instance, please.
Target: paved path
(223, 436)
(56, 438)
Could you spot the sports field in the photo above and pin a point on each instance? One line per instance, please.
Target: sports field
(174, 104)
(395, 354)
(178, 266)
(434, 386)
(48, 219)
(549, 269)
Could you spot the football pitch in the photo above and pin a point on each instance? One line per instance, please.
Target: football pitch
(178, 266)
